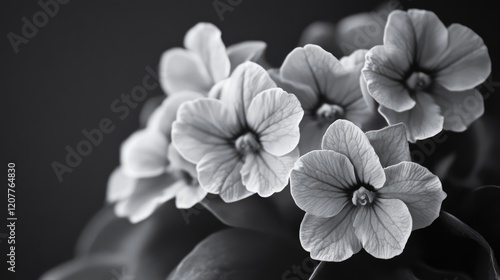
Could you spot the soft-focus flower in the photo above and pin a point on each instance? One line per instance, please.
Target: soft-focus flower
(327, 88)
(424, 75)
(204, 61)
(245, 142)
(361, 191)
(152, 171)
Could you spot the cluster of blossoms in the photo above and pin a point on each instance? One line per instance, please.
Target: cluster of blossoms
(232, 128)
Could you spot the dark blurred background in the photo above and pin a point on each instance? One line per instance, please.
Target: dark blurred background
(64, 79)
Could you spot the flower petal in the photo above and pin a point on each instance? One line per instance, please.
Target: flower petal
(346, 138)
(390, 144)
(188, 196)
(308, 99)
(163, 117)
(266, 174)
(219, 173)
(205, 40)
(144, 154)
(431, 36)
(310, 65)
(459, 108)
(274, 116)
(245, 51)
(465, 63)
(247, 80)
(399, 34)
(318, 69)
(422, 122)
(383, 227)
(148, 195)
(120, 186)
(180, 70)
(418, 188)
(330, 239)
(320, 182)
(384, 71)
(203, 126)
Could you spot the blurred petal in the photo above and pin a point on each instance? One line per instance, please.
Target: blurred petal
(431, 36)
(308, 99)
(149, 107)
(247, 80)
(265, 174)
(163, 117)
(390, 144)
(330, 239)
(216, 90)
(422, 122)
(187, 196)
(274, 116)
(384, 72)
(418, 188)
(205, 40)
(323, 34)
(354, 61)
(219, 173)
(358, 112)
(383, 227)
(321, 182)
(465, 63)
(311, 134)
(149, 194)
(345, 138)
(400, 34)
(119, 186)
(144, 154)
(459, 108)
(245, 51)
(202, 126)
(360, 31)
(183, 70)
(177, 162)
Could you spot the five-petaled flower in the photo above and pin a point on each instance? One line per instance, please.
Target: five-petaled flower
(362, 191)
(327, 88)
(152, 171)
(205, 61)
(245, 142)
(425, 74)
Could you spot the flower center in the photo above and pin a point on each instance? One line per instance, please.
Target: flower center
(247, 143)
(330, 112)
(362, 197)
(418, 81)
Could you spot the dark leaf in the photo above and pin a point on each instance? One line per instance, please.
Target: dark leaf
(253, 213)
(239, 254)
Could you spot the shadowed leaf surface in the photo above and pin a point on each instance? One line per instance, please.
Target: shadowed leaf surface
(238, 254)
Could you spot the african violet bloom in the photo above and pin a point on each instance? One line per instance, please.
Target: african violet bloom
(245, 142)
(327, 88)
(204, 61)
(152, 171)
(362, 191)
(424, 74)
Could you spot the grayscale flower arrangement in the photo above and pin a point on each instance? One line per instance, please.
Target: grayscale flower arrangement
(310, 170)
